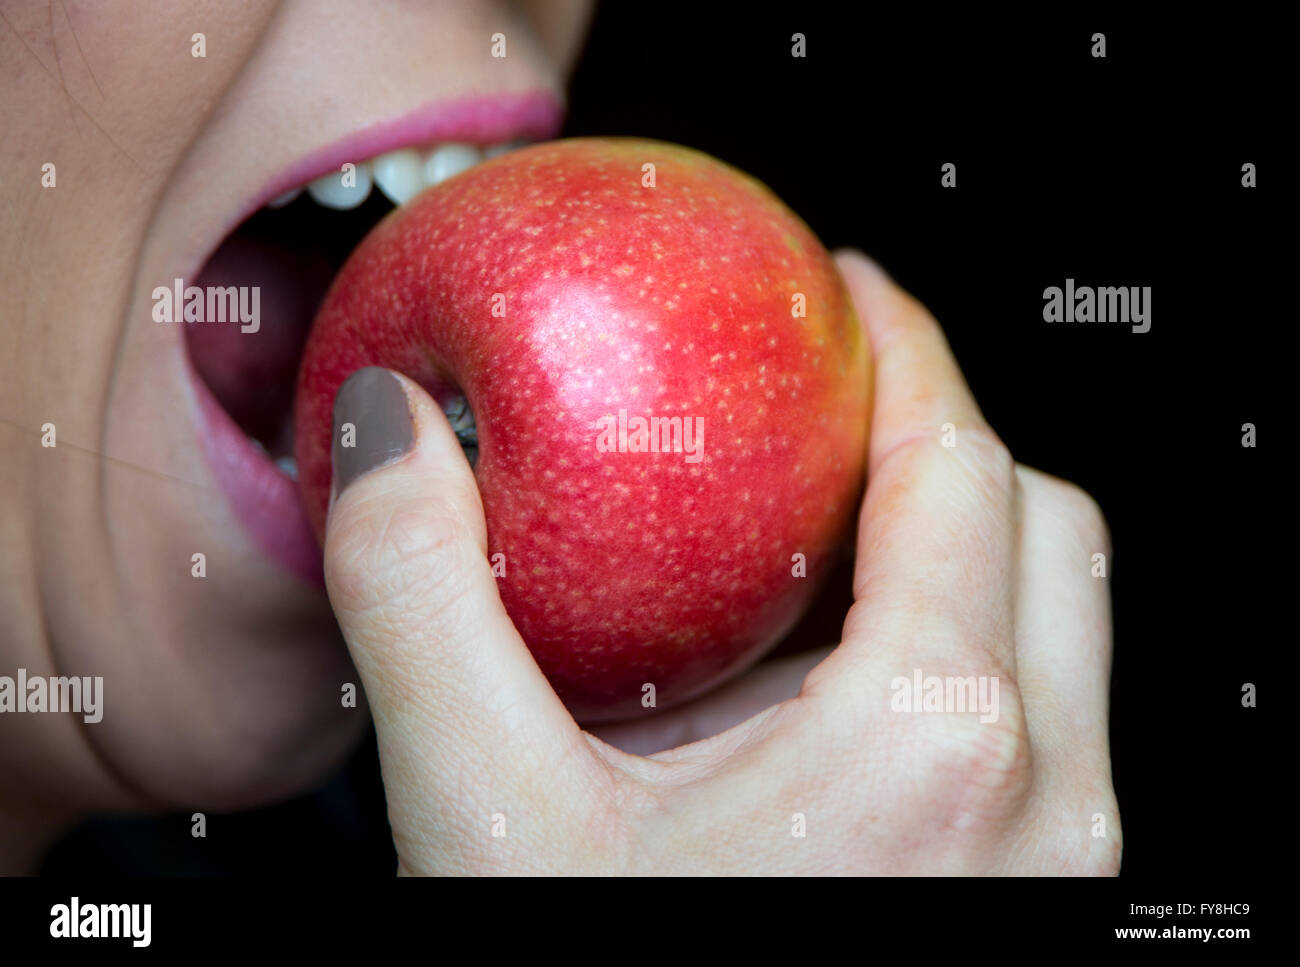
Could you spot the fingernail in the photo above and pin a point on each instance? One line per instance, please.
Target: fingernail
(372, 424)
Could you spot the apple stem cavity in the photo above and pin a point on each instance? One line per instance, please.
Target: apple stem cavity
(461, 418)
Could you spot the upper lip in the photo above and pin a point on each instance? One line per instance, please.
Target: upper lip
(478, 119)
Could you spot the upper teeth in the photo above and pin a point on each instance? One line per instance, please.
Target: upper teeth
(497, 149)
(450, 159)
(279, 201)
(400, 175)
(348, 189)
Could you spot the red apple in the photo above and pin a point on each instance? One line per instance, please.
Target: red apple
(568, 291)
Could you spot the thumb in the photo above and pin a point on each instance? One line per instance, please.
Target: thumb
(451, 684)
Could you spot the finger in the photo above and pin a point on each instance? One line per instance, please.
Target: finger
(919, 385)
(936, 540)
(1063, 627)
(464, 717)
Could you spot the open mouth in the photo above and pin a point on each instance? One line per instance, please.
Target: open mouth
(288, 252)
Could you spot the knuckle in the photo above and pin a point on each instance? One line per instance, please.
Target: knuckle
(913, 316)
(1070, 838)
(1104, 856)
(991, 457)
(1092, 793)
(1081, 512)
(1107, 857)
(976, 464)
(1087, 514)
(979, 772)
(393, 555)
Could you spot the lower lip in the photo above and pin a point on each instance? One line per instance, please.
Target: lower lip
(265, 501)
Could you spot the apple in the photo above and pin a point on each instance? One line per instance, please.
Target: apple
(657, 371)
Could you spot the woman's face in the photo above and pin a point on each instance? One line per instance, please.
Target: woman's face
(222, 690)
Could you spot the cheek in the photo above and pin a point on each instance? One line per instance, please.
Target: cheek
(135, 68)
(561, 25)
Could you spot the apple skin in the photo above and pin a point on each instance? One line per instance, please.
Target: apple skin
(622, 568)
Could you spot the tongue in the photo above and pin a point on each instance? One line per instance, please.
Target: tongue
(252, 373)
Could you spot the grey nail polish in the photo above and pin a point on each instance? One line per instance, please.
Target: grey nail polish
(372, 424)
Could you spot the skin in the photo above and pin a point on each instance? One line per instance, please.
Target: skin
(223, 693)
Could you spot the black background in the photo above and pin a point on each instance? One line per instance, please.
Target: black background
(1122, 171)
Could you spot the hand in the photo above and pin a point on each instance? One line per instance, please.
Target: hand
(968, 565)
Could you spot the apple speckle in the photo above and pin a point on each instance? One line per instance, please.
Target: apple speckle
(607, 601)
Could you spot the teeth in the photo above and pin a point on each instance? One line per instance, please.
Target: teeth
(328, 190)
(399, 175)
(448, 160)
(497, 150)
(288, 466)
(279, 201)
